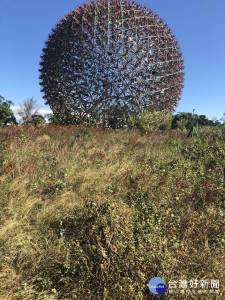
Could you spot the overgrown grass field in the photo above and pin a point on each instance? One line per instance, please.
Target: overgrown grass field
(94, 214)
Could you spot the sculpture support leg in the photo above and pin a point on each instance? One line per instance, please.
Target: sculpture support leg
(106, 115)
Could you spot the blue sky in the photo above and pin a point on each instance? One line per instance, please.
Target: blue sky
(199, 26)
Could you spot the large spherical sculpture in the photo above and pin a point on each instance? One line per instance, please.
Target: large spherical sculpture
(110, 55)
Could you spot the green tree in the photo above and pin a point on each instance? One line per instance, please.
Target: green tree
(182, 120)
(38, 119)
(203, 121)
(6, 113)
(52, 119)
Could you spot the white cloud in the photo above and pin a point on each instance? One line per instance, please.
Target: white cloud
(44, 111)
(15, 108)
(41, 111)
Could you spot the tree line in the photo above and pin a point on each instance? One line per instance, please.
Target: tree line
(28, 112)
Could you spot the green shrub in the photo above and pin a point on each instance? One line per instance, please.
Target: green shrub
(84, 132)
(151, 121)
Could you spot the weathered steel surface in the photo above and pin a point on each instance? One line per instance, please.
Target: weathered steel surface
(114, 54)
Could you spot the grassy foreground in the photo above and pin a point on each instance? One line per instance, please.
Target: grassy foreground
(96, 216)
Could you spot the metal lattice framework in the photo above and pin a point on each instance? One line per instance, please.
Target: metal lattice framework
(109, 55)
